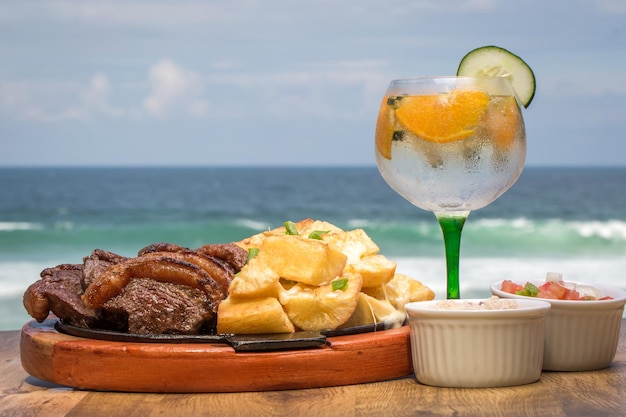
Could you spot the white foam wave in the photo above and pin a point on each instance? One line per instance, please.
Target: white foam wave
(11, 226)
(359, 223)
(518, 223)
(15, 277)
(64, 225)
(609, 229)
(253, 224)
(477, 274)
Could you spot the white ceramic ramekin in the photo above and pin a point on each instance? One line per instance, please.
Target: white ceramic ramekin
(580, 335)
(477, 348)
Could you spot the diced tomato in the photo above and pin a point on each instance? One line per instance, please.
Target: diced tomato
(510, 287)
(554, 288)
(547, 294)
(571, 295)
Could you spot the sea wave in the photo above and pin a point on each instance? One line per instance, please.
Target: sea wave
(481, 236)
(254, 225)
(12, 226)
(476, 275)
(610, 230)
(613, 229)
(16, 276)
(493, 236)
(551, 236)
(552, 219)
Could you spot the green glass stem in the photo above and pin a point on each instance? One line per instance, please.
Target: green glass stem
(452, 226)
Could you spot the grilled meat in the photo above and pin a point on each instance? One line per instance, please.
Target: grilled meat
(97, 263)
(58, 291)
(165, 289)
(146, 306)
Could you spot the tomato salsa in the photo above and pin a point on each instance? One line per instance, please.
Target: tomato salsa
(554, 290)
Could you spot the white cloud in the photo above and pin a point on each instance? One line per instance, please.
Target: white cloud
(94, 99)
(53, 101)
(39, 100)
(98, 90)
(172, 91)
(73, 68)
(174, 87)
(345, 89)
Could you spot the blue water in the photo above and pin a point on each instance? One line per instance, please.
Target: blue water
(553, 219)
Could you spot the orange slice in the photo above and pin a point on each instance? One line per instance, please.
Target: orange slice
(503, 122)
(445, 117)
(384, 129)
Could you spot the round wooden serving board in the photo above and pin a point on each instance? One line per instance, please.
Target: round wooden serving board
(191, 367)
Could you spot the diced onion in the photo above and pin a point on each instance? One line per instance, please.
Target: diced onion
(554, 276)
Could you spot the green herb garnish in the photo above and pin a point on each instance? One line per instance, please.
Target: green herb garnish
(317, 234)
(340, 284)
(529, 290)
(252, 252)
(291, 228)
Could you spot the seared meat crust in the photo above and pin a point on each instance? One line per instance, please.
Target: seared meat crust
(96, 263)
(139, 294)
(162, 247)
(176, 267)
(229, 252)
(58, 291)
(228, 255)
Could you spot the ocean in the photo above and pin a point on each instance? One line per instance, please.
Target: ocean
(568, 220)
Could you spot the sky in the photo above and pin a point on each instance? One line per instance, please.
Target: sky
(281, 82)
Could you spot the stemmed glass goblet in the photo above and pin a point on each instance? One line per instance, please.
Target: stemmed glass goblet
(450, 145)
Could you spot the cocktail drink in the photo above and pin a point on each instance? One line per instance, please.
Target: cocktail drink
(450, 145)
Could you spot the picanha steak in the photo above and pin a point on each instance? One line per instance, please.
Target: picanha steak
(165, 289)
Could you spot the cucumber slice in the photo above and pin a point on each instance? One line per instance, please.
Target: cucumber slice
(495, 61)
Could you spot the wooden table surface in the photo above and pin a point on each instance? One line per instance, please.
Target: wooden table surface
(597, 393)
